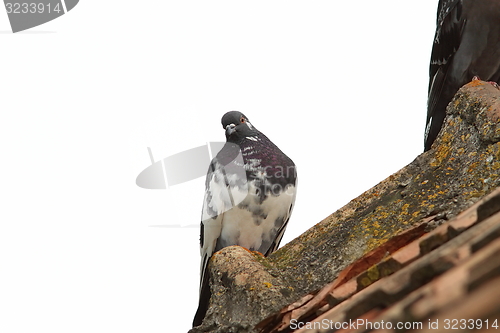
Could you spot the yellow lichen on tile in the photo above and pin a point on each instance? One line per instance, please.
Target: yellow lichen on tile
(373, 273)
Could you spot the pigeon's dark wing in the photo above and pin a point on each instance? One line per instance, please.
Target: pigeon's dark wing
(447, 39)
(214, 203)
(466, 44)
(279, 235)
(225, 187)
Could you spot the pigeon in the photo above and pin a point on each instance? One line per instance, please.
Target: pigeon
(466, 45)
(249, 196)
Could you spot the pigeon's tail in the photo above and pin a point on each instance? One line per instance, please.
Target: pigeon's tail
(205, 295)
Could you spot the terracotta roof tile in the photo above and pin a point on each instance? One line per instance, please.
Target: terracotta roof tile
(437, 271)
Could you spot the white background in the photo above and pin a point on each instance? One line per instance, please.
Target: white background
(340, 86)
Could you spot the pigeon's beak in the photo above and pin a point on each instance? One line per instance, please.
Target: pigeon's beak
(230, 129)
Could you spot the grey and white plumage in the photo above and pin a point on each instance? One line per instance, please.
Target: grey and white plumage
(249, 196)
(466, 44)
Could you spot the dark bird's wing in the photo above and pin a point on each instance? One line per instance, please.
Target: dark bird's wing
(447, 39)
(466, 44)
(215, 202)
(225, 187)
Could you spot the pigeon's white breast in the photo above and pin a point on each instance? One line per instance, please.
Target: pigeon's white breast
(255, 225)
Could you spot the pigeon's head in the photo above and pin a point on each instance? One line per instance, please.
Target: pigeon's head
(237, 126)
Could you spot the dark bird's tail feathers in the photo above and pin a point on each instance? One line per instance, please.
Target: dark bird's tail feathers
(205, 295)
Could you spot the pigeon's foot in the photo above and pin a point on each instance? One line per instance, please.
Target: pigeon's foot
(493, 83)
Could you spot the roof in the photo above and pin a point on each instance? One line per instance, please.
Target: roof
(421, 244)
(450, 273)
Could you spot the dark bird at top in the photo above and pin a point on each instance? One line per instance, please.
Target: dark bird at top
(466, 44)
(249, 195)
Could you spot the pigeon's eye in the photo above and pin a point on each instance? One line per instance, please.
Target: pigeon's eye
(242, 120)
